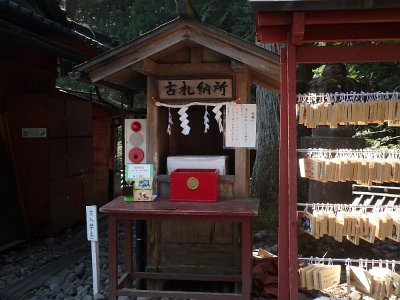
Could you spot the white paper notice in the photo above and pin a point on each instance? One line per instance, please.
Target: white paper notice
(240, 131)
(139, 170)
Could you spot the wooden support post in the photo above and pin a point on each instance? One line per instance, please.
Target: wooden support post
(287, 239)
(283, 237)
(112, 255)
(128, 259)
(152, 127)
(242, 155)
(292, 170)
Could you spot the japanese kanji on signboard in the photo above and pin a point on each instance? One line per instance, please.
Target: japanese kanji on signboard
(220, 88)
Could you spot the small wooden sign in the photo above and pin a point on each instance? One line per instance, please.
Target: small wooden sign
(34, 132)
(91, 223)
(220, 88)
(306, 222)
(329, 276)
(361, 280)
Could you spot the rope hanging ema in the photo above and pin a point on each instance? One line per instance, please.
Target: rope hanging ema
(184, 117)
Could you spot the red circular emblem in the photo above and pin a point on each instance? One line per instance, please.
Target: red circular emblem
(136, 155)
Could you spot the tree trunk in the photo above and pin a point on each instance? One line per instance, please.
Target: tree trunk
(264, 179)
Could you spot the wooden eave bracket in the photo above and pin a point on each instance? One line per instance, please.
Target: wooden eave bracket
(298, 28)
(238, 67)
(146, 67)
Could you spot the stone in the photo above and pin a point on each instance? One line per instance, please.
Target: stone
(70, 278)
(355, 296)
(55, 280)
(99, 296)
(303, 296)
(273, 249)
(80, 270)
(83, 291)
(55, 288)
(70, 290)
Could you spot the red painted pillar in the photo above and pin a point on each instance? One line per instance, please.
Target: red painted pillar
(283, 236)
(287, 232)
(292, 171)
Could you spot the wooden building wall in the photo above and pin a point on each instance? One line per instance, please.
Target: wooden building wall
(55, 177)
(103, 154)
(22, 70)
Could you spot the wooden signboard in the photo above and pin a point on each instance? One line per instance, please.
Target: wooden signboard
(170, 89)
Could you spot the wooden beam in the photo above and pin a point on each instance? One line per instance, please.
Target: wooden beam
(138, 53)
(353, 16)
(259, 63)
(117, 87)
(298, 28)
(347, 54)
(333, 33)
(146, 67)
(194, 69)
(302, 5)
(352, 32)
(273, 34)
(237, 66)
(319, 17)
(275, 18)
(271, 84)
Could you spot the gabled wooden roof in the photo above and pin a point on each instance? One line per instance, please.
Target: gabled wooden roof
(119, 67)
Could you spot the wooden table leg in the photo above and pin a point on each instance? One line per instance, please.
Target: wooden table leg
(112, 256)
(128, 260)
(246, 258)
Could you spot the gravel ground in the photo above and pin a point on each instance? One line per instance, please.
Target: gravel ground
(69, 257)
(71, 279)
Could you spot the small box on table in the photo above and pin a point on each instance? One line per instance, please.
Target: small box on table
(199, 185)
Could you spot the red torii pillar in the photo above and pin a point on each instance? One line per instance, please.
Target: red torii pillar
(287, 239)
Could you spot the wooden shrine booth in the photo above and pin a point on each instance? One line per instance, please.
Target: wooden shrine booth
(186, 49)
(298, 24)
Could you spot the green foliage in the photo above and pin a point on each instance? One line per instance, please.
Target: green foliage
(234, 17)
(68, 83)
(149, 14)
(129, 19)
(373, 77)
(124, 19)
(376, 76)
(379, 136)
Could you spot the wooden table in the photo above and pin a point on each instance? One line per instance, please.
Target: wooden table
(225, 210)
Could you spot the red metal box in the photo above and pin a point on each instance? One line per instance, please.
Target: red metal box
(194, 185)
